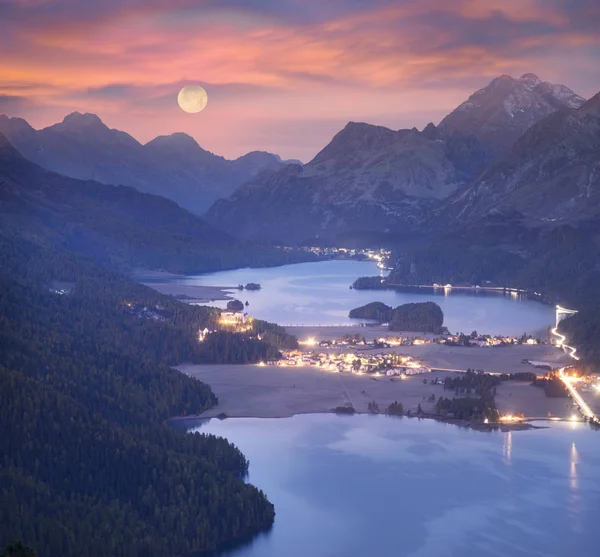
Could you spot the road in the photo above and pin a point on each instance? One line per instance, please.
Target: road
(571, 351)
(450, 287)
(583, 407)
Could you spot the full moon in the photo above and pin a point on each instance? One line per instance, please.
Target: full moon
(192, 98)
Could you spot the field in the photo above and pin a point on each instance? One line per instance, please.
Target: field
(273, 391)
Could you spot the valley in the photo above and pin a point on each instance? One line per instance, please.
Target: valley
(148, 287)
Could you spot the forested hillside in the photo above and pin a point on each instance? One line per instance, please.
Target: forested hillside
(89, 465)
(117, 226)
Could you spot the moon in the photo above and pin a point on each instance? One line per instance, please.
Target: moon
(192, 99)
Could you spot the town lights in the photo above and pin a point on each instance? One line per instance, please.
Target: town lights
(311, 341)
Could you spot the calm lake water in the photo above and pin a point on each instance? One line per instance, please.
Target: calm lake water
(319, 294)
(377, 486)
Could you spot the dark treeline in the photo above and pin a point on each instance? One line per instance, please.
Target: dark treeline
(369, 283)
(223, 347)
(422, 317)
(425, 317)
(471, 381)
(378, 311)
(274, 334)
(88, 464)
(17, 549)
(395, 409)
(468, 408)
(172, 338)
(553, 386)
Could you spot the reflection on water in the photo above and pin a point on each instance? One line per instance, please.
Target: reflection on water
(507, 447)
(574, 503)
(319, 294)
(573, 470)
(356, 486)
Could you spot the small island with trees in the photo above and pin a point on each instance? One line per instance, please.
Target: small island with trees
(235, 305)
(250, 286)
(424, 317)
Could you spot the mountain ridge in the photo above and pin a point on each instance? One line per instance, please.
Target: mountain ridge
(550, 174)
(372, 179)
(173, 166)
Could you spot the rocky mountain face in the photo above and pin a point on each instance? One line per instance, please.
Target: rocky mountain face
(502, 111)
(373, 179)
(550, 175)
(173, 166)
(368, 179)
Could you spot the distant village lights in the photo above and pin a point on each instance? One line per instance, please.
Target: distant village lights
(311, 341)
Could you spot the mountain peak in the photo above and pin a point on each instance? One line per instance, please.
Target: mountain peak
(76, 119)
(530, 78)
(177, 139)
(358, 129)
(15, 124)
(502, 111)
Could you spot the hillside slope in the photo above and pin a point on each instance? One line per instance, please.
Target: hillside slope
(173, 166)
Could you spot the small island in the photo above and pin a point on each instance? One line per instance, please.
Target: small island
(253, 286)
(426, 317)
(250, 286)
(377, 311)
(235, 305)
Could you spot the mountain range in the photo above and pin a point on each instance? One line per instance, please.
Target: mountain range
(517, 150)
(173, 166)
(550, 174)
(370, 179)
(116, 226)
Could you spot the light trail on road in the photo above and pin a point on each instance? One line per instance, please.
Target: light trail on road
(571, 351)
(585, 409)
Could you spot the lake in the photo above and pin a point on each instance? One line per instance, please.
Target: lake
(378, 486)
(319, 294)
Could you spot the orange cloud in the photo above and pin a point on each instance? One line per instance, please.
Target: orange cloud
(384, 64)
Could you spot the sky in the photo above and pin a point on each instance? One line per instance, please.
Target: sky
(281, 75)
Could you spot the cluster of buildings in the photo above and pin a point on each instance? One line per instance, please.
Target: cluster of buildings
(145, 312)
(382, 256)
(383, 342)
(235, 322)
(230, 321)
(485, 340)
(377, 364)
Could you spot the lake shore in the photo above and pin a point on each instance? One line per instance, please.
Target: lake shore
(191, 293)
(317, 293)
(162, 281)
(277, 392)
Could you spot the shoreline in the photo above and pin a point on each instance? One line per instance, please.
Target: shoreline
(523, 425)
(190, 293)
(255, 391)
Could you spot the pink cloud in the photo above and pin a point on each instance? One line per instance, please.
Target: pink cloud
(392, 64)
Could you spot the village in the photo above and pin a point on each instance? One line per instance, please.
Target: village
(387, 364)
